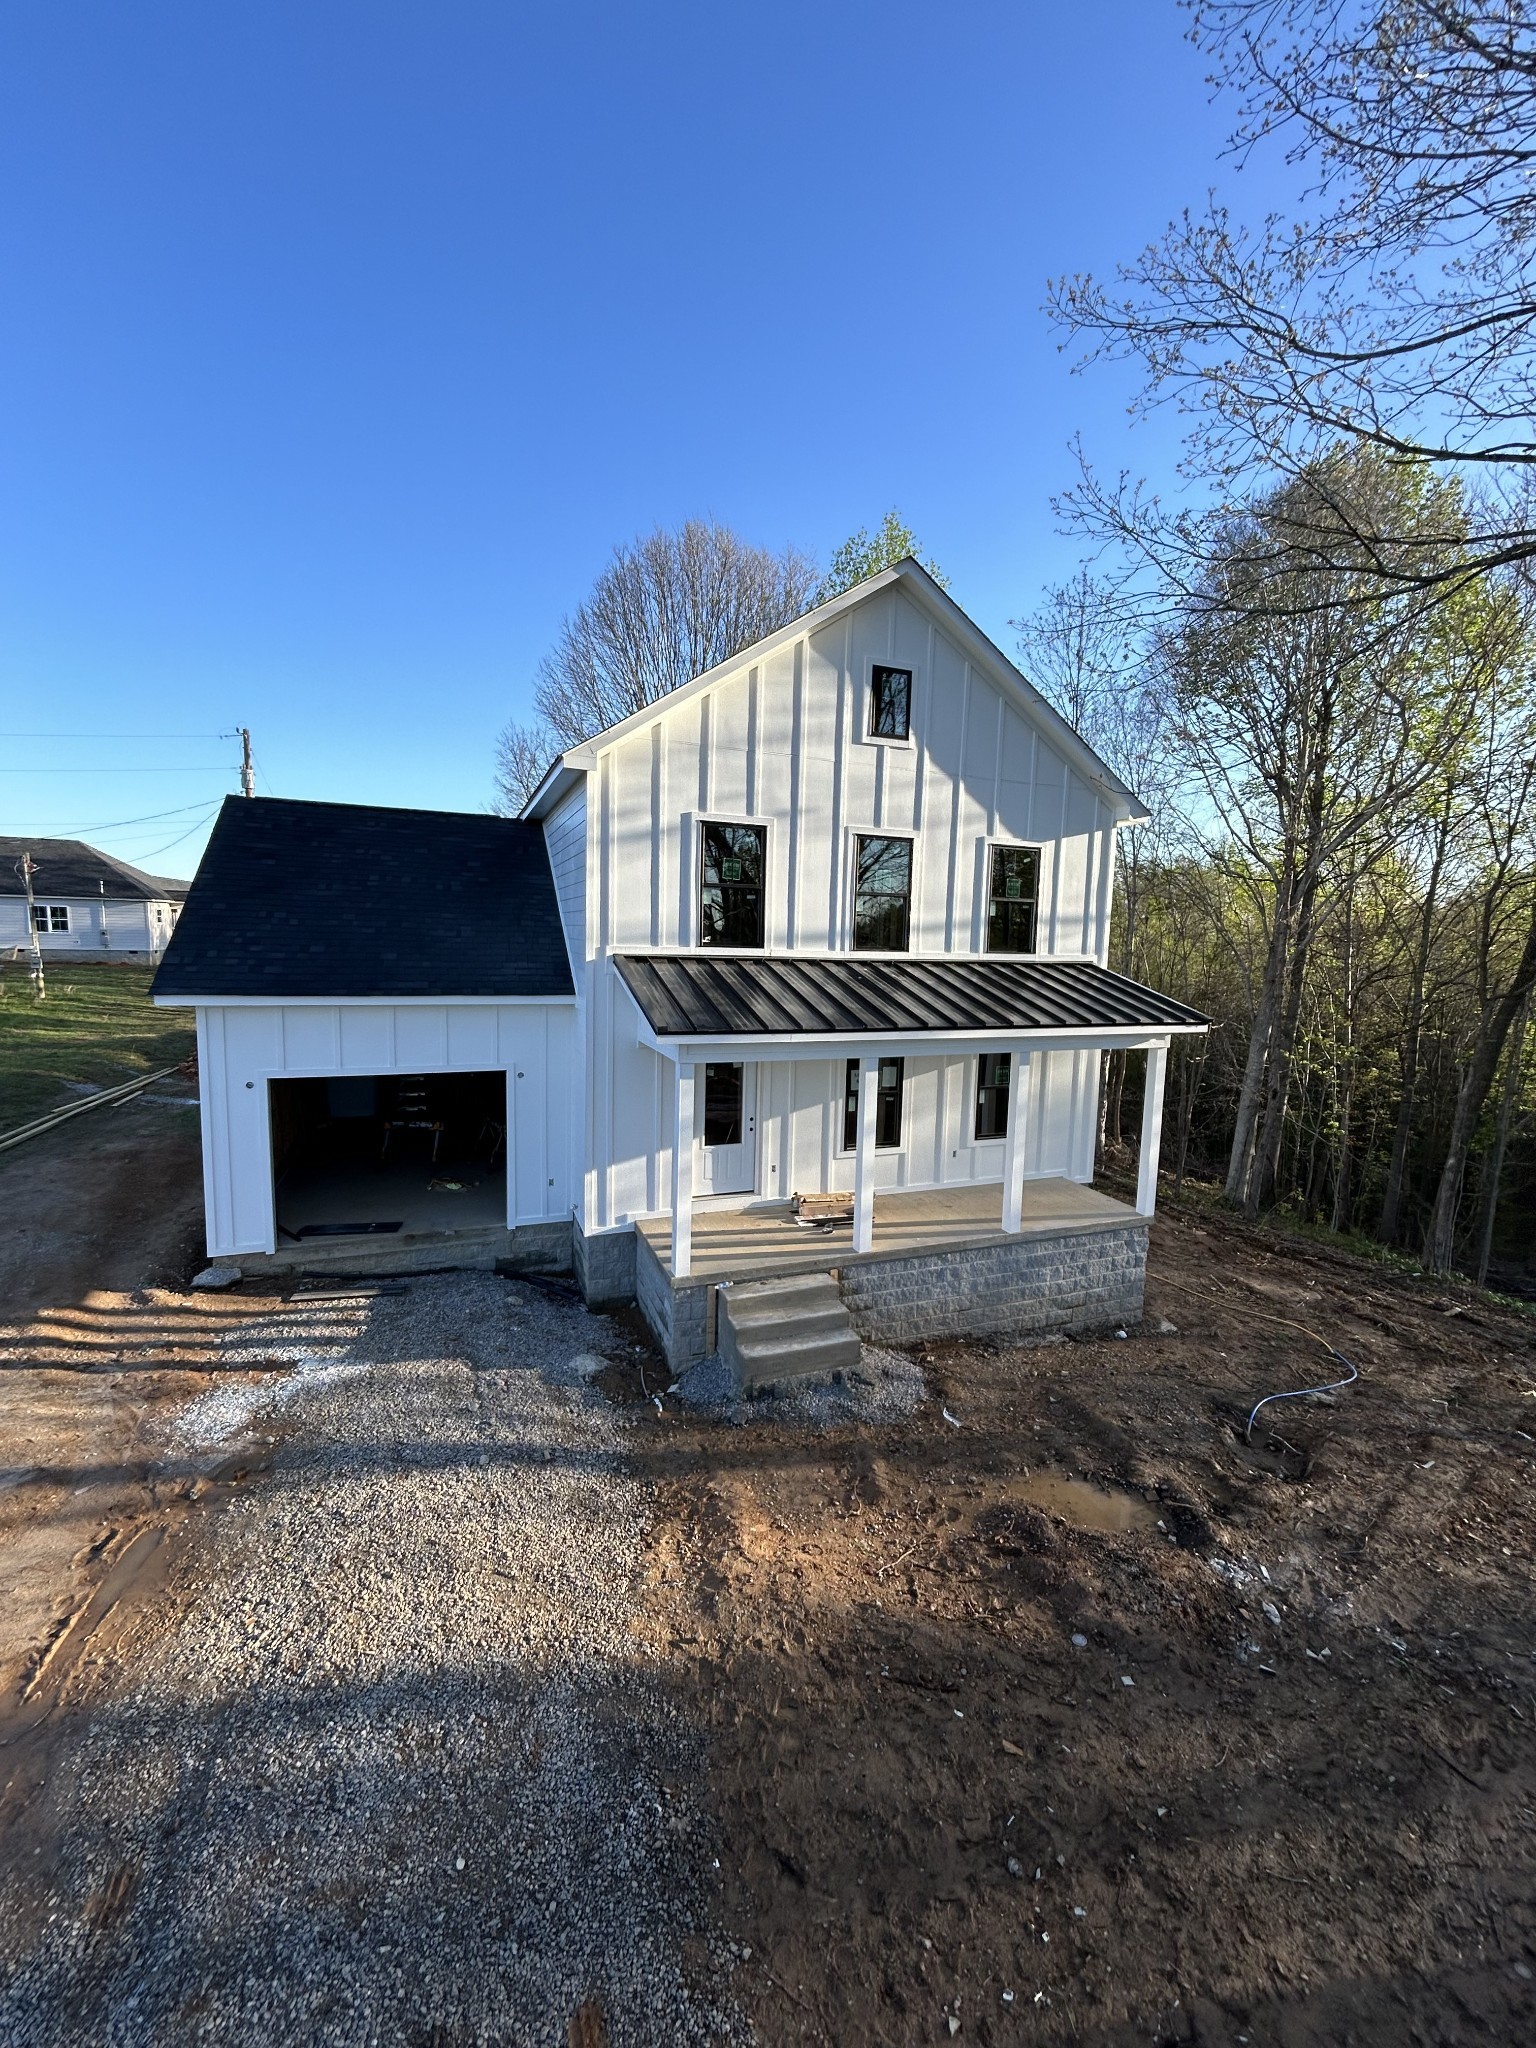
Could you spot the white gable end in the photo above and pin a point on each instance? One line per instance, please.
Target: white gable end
(782, 738)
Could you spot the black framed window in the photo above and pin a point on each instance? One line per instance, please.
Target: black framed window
(50, 917)
(732, 862)
(1012, 897)
(882, 895)
(890, 703)
(993, 1073)
(887, 1106)
(723, 1092)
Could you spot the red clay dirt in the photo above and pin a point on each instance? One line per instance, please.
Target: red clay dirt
(1282, 1792)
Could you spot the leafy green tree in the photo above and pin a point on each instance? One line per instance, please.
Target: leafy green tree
(865, 554)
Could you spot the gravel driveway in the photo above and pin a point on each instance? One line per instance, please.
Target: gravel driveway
(395, 1771)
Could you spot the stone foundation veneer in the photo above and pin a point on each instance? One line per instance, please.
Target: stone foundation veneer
(1069, 1280)
(605, 1265)
(1072, 1279)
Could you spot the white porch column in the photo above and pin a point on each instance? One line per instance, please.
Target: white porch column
(1151, 1129)
(1013, 1144)
(682, 1170)
(864, 1157)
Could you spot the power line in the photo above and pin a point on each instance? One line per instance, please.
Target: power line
(205, 768)
(114, 736)
(196, 826)
(113, 824)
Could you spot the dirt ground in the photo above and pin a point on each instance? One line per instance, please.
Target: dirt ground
(1260, 1769)
(1251, 1762)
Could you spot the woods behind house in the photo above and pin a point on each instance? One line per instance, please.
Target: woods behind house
(1342, 865)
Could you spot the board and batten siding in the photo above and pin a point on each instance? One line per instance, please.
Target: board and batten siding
(565, 837)
(781, 740)
(241, 1048)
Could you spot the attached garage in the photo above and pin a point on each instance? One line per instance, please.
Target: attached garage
(358, 1087)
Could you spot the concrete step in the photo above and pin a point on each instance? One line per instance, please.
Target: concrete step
(765, 1332)
(791, 1294)
(793, 1331)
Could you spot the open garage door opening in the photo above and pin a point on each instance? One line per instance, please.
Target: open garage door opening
(383, 1155)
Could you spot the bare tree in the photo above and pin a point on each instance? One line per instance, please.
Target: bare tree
(663, 611)
(1401, 315)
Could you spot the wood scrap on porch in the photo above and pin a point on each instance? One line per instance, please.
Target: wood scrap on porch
(822, 1211)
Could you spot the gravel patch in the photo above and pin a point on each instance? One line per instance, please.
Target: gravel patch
(395, 1772)
(884, 1387)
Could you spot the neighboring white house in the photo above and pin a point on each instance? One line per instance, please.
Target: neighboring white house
(836, 917)
(86, 905)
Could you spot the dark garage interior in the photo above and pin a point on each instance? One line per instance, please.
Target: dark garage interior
(379, 1155)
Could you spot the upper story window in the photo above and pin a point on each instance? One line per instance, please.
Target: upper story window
(50, 917)
(887, 1106)
(733, 860)
(882, 895)
(1012, 896)
(890, 703)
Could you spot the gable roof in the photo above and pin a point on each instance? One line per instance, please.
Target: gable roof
(916, 584)
(68, 867)
(347, 900)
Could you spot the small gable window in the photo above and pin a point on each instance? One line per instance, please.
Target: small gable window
(733, 859)
(890, 703)
(1012, 897)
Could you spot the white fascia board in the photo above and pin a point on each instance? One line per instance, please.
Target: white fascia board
(363, 1002)
(560, 778)
(877, 1045)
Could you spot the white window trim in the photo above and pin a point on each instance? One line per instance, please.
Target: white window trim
(842, 1151)
(854, 834)
(881, 739)
(973, 1076)
(1036, 847)
(693, 840)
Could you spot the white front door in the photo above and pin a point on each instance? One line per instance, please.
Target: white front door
(726, 1123)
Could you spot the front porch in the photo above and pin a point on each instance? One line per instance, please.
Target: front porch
(764, 1240)
(942, 1262)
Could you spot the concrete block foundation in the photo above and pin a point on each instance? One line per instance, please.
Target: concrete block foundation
(1079, 1278)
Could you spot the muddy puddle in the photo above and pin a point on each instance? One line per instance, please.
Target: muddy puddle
(1085, 1506)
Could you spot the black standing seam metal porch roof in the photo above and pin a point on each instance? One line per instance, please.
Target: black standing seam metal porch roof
(697, 995)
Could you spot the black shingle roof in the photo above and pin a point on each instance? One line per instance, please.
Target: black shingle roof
(68, 868)
(697, 996)
(305, 899)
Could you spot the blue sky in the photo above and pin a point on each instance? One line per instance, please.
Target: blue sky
(344, 341)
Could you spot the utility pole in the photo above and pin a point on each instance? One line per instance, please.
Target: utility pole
(28, 868)
(247, 771)
(106, 936)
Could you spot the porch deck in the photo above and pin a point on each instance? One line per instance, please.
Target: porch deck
(755, 1243)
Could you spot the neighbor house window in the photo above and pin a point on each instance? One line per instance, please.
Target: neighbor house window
(890, 703)
(887, 1107)
(882, 895)
(1011, 899)
(992, 1072)
(50, 917)
(733, 860)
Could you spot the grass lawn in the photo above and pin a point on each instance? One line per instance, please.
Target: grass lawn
(97, 1027)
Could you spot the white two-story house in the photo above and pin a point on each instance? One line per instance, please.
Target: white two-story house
(835, 919)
